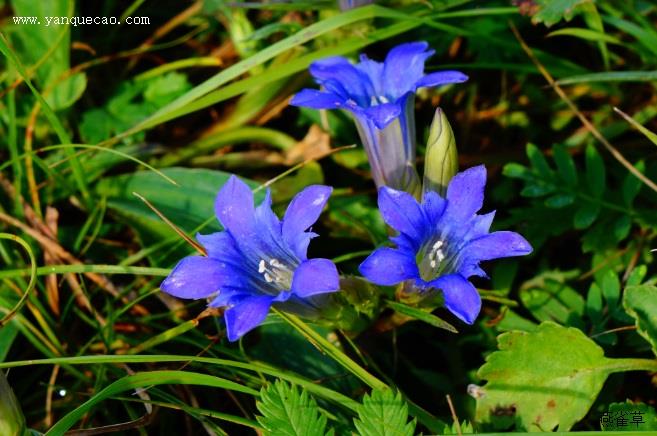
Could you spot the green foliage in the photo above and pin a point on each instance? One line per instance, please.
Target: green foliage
(565, 200)
(383, 413)
(630, 416)
(641, 303)
(132, 102)
(286, 410)
(550, 12)
(541, 380)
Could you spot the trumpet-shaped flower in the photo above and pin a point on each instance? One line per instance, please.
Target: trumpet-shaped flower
(380, 96)
(441, 242)
(258, 260)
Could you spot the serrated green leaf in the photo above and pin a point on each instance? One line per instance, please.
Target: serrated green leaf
(586, 215)
(640, 302)
(287, 411)
(629, 416)
(552, 11)
(558, 201)
(595, 171)
(383, 414)
(565, 165)
(541, 380)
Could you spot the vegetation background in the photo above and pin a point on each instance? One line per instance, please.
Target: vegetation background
(100, 125)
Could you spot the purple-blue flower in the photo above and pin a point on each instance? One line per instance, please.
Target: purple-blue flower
(258, 260)
(381, 98)
(441, 242)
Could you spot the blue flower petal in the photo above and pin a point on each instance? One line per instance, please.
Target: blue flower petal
(373, 70)
(246, 315)
(316, 99)
(315, 276)
(402, 212)
(441, 78)
(461, 297)
(383, 114)
(403, 67)
(339, 69)
(497, 245)
(199, 277)
(465, 194)
(434, 206)
(219, 245)
(387, 266)
(235, 211)
(303, 211)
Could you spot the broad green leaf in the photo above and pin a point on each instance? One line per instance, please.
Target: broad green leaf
(637, 275)
(383, 413)
(629, 416)
(552, 11)
(622, 227)
(287, 411)
(565, 165)
(67, 92)
(595, 171)
(641, 303)
(541, 380)
(512, 321)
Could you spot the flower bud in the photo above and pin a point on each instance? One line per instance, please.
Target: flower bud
(12, 421)
(441, 158)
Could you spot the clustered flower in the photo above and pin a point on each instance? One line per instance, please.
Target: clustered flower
(259, 261)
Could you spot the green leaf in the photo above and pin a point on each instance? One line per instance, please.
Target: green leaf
(622, 227)
(632, 184)
(637, 275)
(558, 201)
(640, 302)
(611, 76)
(517, 171)
(12, 421)
(538, 161)
(67, 92)
(421, 315)
(541, 380)
(553, 300)
(586, 215)
(552, 11)
(383, 414)
(595, 171)
(565, 165)
(629, 416)
(594, 304)
(586, 34)
(610, 286)
(288, 411)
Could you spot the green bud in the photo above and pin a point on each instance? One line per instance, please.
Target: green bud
(241, 31)
(441, 158)
(12, 421)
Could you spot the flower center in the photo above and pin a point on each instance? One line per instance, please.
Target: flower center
(378, 99)
(431, 260)
(276, 273)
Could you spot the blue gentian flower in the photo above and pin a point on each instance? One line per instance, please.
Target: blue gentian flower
(345, 5)
(381, 97)
(258, 260)
(441, 242)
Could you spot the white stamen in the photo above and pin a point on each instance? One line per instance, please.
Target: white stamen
(433, 263)
(440, 255)
(268, 278)
(383, 99)
(437, 245)
(275, 263)
(261, 266)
